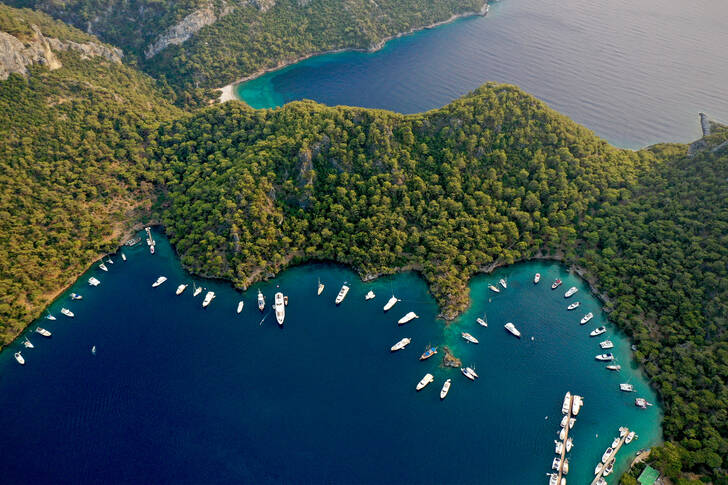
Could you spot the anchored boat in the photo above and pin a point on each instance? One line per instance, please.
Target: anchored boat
(424, 381)
(342, 294)
(409, 317)
(208, 298)
(401, 344)
(390, 303)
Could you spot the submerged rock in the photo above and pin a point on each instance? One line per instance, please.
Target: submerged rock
(449, 360)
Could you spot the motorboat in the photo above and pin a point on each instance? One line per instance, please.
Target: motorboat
(261, 301)
(482, 322)
(50, 317)
(586, 318)
(598, 468)
(512, 329)
(562, 433)
(43, 331)
(342, 294)
(469, 337)
(93, 281)
(571, 422)
(615, 443)
(280, 306)
(401, 344)
(623, 431)
(565, 419)
(428, 353)
(641, 403)
(285, 300)
(109, 260)
(409, 317)
(67, 312)
(103, 267)
(424, 381)
(629, 437)
(180, 289)
(567, 404)
(609, 468)
(159, 281)
(605, 357)
(320, 287)
(76, 296)
(615, 367)
(503, 283)
(573, 306)
(559, 447)
(151, 249)
(556, 464)
(536, 278)
(576, 404)
(19, 357)
(607, 455)
(597, 331)
(556, 284)
(445, 389)
(240, 306)
(607, 344)
(469, 373)
(208, 298)
(28, 344)
(369, 295)
(570, 292)
(493, 288)
(569, 444)
(123, 257)
(390, 303)
(565, 467)
(198, 290)
(601, 481)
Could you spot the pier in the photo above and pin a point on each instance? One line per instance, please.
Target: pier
(612, 457)
(560, 471)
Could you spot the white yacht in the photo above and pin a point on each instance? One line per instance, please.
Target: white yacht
(320, 287)
(569, 444)
(151, 249)
(67, 312)
(50, 317)
(576, 404)
(409, 317)
(565, 467)
(562, 433)
(76, 296)
(559, 447)
(445, 389)
(123, 256)
(556, 464)
(103, 267)
(536, 278)
(570, 292)
(605, 357)
(598, 468)
(19, 358)
(481, 322)
(597, 331)
(240, 306)
(109, 260)
(198, 290)
(609, 468)
(93, 281)
(469, 373)
(567, 403)
(629, 437)
(503, 283)
(573, 306)
(42, 331)
(180, 289)
(601, 481)
(556, 284)
(586, 318)
(208, 298)
(607, 455)
(342, 294)
(614, 367)
(369, 295)
(493, 288)
(93, 350)
(401, 344)
(607, 344)
(159, 281)
(424, 381)
(565, 419)
(390, 303)
(261, 301)
(28, 344)
(512, 328)
(469, 338)
(280, 306)
(615, 442)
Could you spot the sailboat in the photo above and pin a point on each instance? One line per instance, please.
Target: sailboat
(240, 306)
(198, 290)
(93, 350)
(28, 344)
(320, 287)
(482, 321)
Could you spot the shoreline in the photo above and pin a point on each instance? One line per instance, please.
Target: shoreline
(227, 92)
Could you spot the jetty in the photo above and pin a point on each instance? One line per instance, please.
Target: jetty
(560, 471)
(613, 456)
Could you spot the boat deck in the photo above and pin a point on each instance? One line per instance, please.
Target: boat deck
(612, 458)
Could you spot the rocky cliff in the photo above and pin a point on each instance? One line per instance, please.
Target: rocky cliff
(185, 29)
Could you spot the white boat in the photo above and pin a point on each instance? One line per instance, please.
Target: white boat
(208, 298)
(569, 444)
(629, 437)
(493, 288)
(103, 267)
(67, 312)
(576, 403)
(512, 328)
(279, 305)
(641, 403)
(342, 294)
(401, 344)
(565, 467)
(601, 481)
(123, 256)
(567, 404)
(573, 305)
(390, 303)
(424, 381)
(198, 290)
(28, 344)
(445, 389)
(42, 331)
(570, 292)
(556, 284)
(556, 464)
(320, 287)
(623, 431)
(607, 455)
(93, 350)
(469, 337)
(565, 419)
(609, 468)
(571, 422)
(597, 331)
(76, 296)
(369, 295)
(615, 442)
(559, 447)
(503, 283)
(151, 249)
(469, 373)
(607, 344)
(586, 318)
(261, 301)
(50, 317)
(481, 322)
(598, 468)
(109, 260)
(180, 289)
(614, 367)
(409, 317)
(536, 278)
(562, 433)
(19, 358)
(159, 281)
(605, 357)
(240, 306)
(93, 281)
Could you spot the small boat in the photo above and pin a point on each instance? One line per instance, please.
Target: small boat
(93, 281)
(469, 373)
(401, 344)
(573, 306)
(42, 331)
(123, 257)
(607, 455)
(641, 403)
(280, 306)
(571, 422)
(623, 431)
(559, 447)
(607, 344)
(159, 281)
(481, 322)
(410, 316)
(597, 331)
(424, 381)
(601, 481)
(103, 267)
(109, 260)
(503, 283)
(469, 337)
(93, 350)
(536, 278)
(598, 468)
(567, 404)
(493, 288)
(369, 295)
(565, 467)
(198, 290)
(151, 249)
(76, 296)
(605, 357)
(261, 301)
(576, 403)
(285, 300)
(565, 419)
(556, 284)
(445, 389)
(342, 294)
(240, 306)
(428, 353)
(556, 464)
(320, 287)
(609, 468)
(28, 344)
(562, 433)
(615, 367)
(570, 292)
(615, 443)
(19, 358)
(569, 444)
(208, 298)
(586, 318)
(629, 437)
(50, 317)
(512, 328)
(390, 303)
(67, 312)
(180, 289)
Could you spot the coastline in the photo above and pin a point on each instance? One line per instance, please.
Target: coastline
(227, 92)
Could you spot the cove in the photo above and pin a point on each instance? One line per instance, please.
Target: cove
(637, 73)
(178, 393)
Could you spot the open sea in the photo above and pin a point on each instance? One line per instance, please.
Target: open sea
(177, 393)
(635, 72)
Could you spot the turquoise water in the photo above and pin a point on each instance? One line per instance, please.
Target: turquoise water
(636, 73)
(177, 393)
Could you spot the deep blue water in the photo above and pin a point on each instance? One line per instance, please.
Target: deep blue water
(636, 73)
(177, 393)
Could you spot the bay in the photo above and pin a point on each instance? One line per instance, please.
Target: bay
(178, 393)
(637, 73)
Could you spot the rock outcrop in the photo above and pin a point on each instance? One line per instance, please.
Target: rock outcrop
(265, 5)
(16, 54)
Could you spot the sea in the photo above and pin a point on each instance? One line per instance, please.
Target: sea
(177, 393)
(634, 72)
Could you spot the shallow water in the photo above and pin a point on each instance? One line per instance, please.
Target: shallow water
(636, 73)
(177, 393)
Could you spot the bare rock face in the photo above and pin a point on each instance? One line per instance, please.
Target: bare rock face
(182, 31)
(263, 5)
